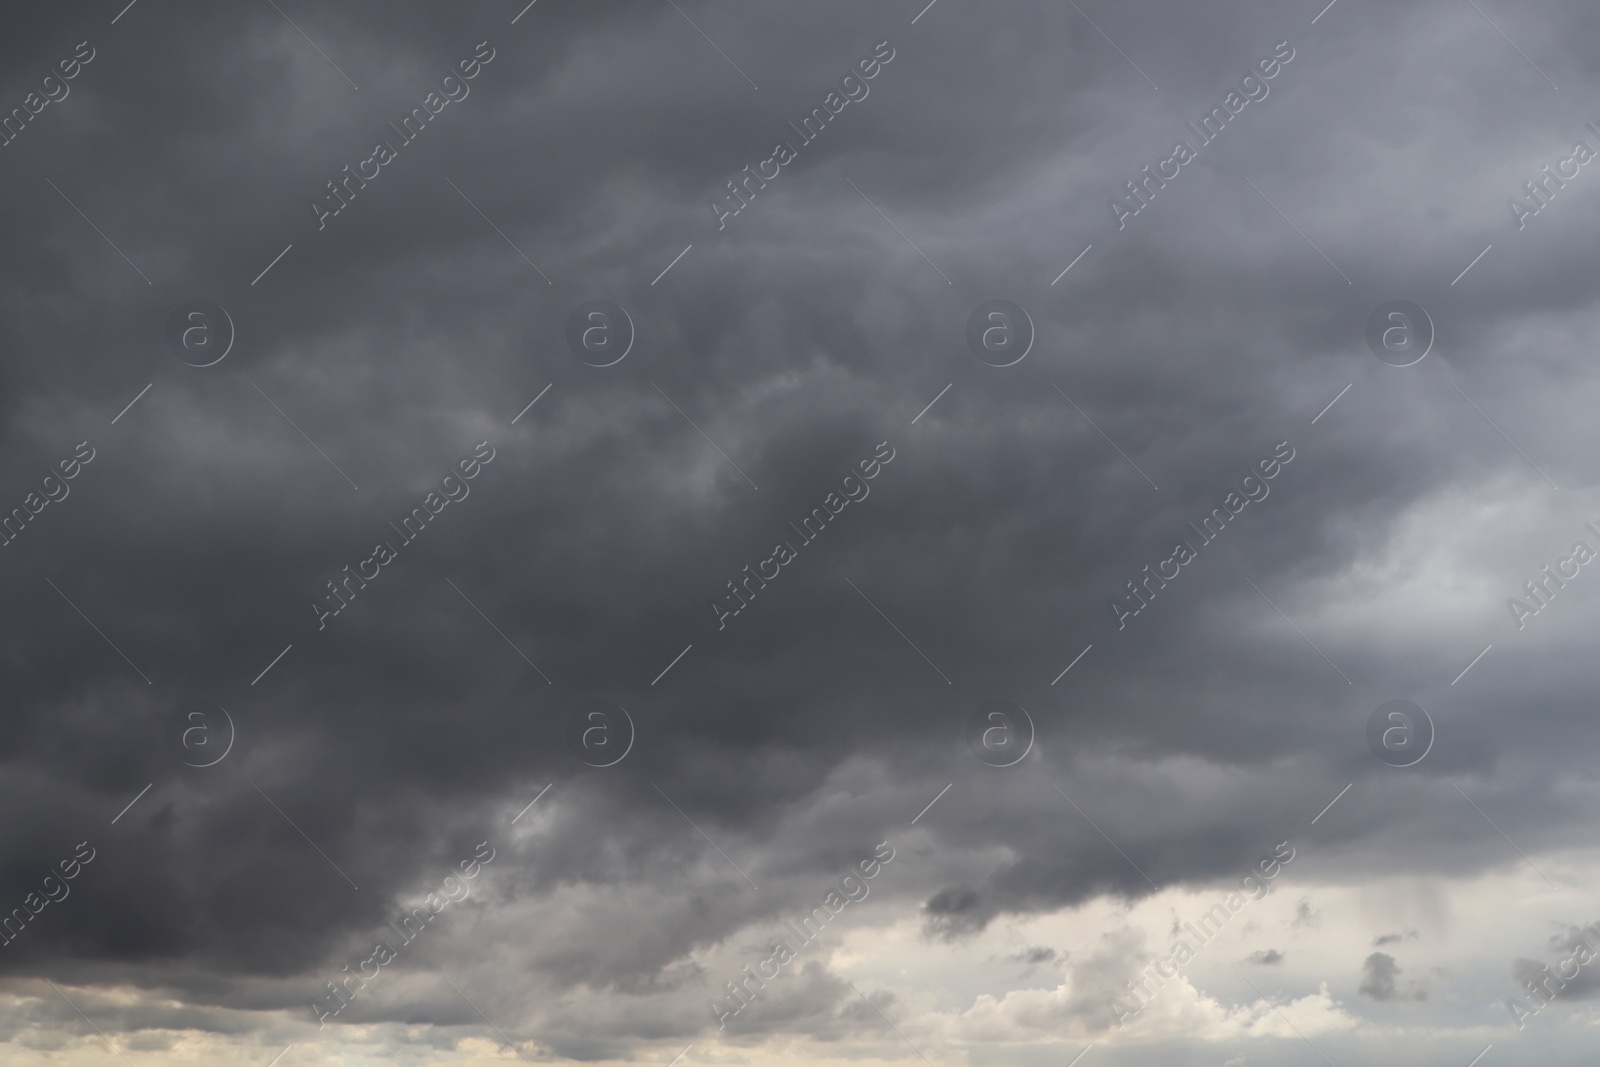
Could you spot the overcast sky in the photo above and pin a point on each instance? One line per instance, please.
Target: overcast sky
(423, 489)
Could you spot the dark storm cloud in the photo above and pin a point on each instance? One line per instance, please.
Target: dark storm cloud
(797, 339)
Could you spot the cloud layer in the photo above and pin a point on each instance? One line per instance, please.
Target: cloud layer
(435, 572)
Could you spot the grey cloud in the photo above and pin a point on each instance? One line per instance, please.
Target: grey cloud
(953, 913)
(1393, 939)
(1377, 976)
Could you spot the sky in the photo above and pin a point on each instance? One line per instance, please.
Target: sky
(978, 535)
